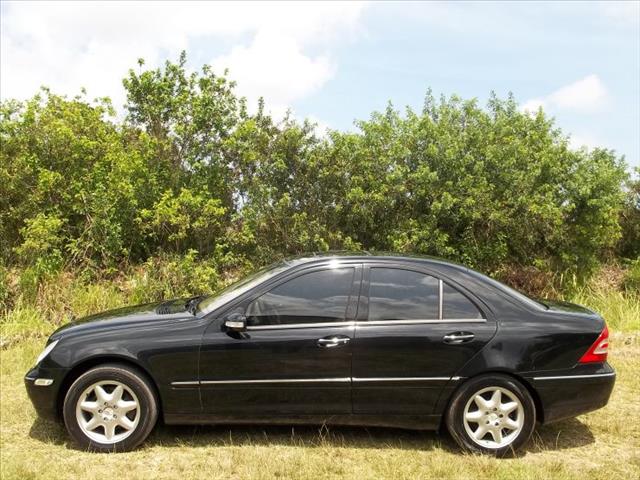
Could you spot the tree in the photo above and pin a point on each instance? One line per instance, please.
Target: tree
(190, 171)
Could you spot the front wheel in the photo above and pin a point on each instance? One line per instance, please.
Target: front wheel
(492, 414)
(110, 408)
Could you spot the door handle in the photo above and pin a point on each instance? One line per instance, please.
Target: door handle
(458, 337)
(330, 342)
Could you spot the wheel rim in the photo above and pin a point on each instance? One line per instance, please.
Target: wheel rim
(493, 417)
(108, 412)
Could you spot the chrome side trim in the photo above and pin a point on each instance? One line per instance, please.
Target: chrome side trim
(302, 325)
(317, 380)
(569, 377)
(280, 380)
(364, 323)
(418, 322)
(405, 379)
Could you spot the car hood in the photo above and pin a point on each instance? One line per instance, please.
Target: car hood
(123, 317)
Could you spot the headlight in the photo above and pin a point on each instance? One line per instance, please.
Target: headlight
(46, 351)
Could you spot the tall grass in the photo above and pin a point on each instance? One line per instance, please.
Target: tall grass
(620, 308)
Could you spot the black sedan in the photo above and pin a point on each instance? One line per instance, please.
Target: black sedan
(339, 339)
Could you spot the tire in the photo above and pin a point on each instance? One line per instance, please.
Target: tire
(110, 408)
(482, 421)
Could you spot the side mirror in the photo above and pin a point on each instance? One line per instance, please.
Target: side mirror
(236, 321)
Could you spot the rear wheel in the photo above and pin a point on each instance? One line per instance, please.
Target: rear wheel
(492, 414)
(110, 408)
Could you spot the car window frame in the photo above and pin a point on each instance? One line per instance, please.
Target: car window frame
(241, 303)
(363, 306)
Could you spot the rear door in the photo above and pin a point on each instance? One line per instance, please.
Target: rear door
(414, 331)
(295, 356)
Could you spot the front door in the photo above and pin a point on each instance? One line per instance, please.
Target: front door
(295, 356)
(414, 331)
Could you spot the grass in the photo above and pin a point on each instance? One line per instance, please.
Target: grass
(620, 309)
(601, 445)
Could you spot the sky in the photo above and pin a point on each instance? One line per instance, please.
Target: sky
(338, 62)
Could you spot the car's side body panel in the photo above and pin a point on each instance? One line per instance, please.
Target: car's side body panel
(275, 372)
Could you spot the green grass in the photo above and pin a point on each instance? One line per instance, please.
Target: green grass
(620, 309)
(601, 445)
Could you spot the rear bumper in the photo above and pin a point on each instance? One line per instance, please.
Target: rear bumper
(43, 386)
(569, 394)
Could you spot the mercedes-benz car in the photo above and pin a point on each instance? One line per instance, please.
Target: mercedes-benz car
(378, 340)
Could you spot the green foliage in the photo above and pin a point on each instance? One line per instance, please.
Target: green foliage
(629, 245)
(632, 279)
(189, 169)
(171, 276)
(188, 218)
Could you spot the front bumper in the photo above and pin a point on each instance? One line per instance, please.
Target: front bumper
(569, 394)
(43, 387)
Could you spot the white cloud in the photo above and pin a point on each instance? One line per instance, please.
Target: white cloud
(275, 67)
(577, 141)
(322, 128)
(625, 12)
(532, 105)
(588, 94)
(70, 45)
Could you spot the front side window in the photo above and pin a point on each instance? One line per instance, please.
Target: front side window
(316, 297)
(396, 294)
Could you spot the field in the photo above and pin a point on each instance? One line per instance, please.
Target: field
(601, 445)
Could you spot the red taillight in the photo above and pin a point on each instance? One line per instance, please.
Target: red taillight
(598, 351)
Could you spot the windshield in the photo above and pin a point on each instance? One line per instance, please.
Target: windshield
(218, 299)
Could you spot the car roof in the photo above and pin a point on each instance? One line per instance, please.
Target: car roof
(369, 256)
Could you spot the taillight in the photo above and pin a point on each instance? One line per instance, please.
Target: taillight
(598, 351)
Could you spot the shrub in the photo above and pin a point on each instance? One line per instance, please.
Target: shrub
(189, 169)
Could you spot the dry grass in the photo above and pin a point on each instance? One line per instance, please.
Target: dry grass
(602, 445)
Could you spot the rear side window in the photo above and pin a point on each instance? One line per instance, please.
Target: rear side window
(455, 305)
(315, 297)
(396, 294)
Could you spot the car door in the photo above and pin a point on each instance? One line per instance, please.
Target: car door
(414, 331)
(294, 357)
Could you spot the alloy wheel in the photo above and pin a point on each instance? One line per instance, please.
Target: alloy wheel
(493, 417)
(108, 412)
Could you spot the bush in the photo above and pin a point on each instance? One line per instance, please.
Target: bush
(629, 245)
(189, 169)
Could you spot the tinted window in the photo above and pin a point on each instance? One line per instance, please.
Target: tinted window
(456, 305)
(315, 297)
(396, 294)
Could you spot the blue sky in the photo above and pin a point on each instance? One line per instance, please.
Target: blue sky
(338, 62)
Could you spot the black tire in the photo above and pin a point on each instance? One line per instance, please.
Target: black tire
(132, 379)
(455, 415)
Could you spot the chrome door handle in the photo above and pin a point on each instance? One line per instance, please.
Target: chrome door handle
(458, 337)
(330, 342)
